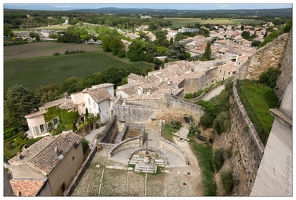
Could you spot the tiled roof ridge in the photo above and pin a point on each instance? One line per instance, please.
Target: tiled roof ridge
(31, 163)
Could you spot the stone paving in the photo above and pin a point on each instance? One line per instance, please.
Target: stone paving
(100, 180)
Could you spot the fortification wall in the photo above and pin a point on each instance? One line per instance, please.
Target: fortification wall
(286, 68)
(245, 144)
(134, 113)
(271, 55)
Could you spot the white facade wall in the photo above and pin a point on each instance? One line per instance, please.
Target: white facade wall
(102, 108)
(78, 98)
(105, 113)
(37, 125)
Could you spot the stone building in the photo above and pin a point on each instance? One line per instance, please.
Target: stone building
(98, 100)
(47, 167)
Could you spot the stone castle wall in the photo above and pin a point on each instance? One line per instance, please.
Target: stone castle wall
(134, 113)
(286, 68)
(245, 144)
(271, 55)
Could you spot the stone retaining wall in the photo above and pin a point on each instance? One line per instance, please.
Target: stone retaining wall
(129, 143)
(110, 131)
(245, 144)
(134, 113)
(163, 143)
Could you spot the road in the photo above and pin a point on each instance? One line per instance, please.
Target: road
(213, 92)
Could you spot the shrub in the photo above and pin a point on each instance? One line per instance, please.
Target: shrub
(229, 152)
(84, 145)
(176, 124)
(227, 181)
(221, 123)
(56, 54)
(269, 77)
(218, 159)
(193, 129)
(188, 96)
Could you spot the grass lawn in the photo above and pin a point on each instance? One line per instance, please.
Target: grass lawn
(33, 72)
(261, 99)
(204, 154)
(167, 132)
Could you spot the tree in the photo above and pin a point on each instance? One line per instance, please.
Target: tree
(177, 51)
(161, 51)
(242, 27)
(245, 35)
(287, 26)
(20, 101)
(179, 36)
(70, 85)
(255, 43)
(208, 53)
(136, 50)
(152, 26)
(48, 93)
(161, 39)
(7, 31)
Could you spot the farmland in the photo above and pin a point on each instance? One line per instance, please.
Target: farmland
(179, 22)
(33, 64)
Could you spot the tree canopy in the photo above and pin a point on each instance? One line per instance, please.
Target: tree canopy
(19, 101)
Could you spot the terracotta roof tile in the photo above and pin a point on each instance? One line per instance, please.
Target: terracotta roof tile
(98, 94)
(27, 187)
(47, 159)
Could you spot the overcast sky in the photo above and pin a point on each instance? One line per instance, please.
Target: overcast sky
(131, 4)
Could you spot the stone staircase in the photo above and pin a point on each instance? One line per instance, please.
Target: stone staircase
(182, 133)
(123, 155)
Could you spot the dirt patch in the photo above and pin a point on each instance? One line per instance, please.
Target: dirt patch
(131, 133)
(42, 49)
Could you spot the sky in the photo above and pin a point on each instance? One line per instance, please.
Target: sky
(187, 5)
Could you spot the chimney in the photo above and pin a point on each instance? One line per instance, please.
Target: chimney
(19, 156)
(56, 149)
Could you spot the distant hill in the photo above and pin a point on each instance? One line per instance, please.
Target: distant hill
(283, 12)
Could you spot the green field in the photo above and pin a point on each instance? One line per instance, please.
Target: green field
(247, 21)
(33, 72)
(179, 22)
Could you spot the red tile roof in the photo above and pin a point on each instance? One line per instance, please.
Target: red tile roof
(27, 187)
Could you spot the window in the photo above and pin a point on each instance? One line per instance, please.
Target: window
(55, 121)
(63, 187)
(220, 71)
(42, 128)
(88, 101)
(228, 72)
(95, 105)
(73, 157)
(36, 130)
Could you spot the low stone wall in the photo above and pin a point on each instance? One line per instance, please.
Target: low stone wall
(110, 131)
(132, 126)
(165, 159)
(129, 143)
(80, 172)
(163, 143)
(179, 103)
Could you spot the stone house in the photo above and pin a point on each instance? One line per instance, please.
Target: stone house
(98, 100)
(43, 169)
